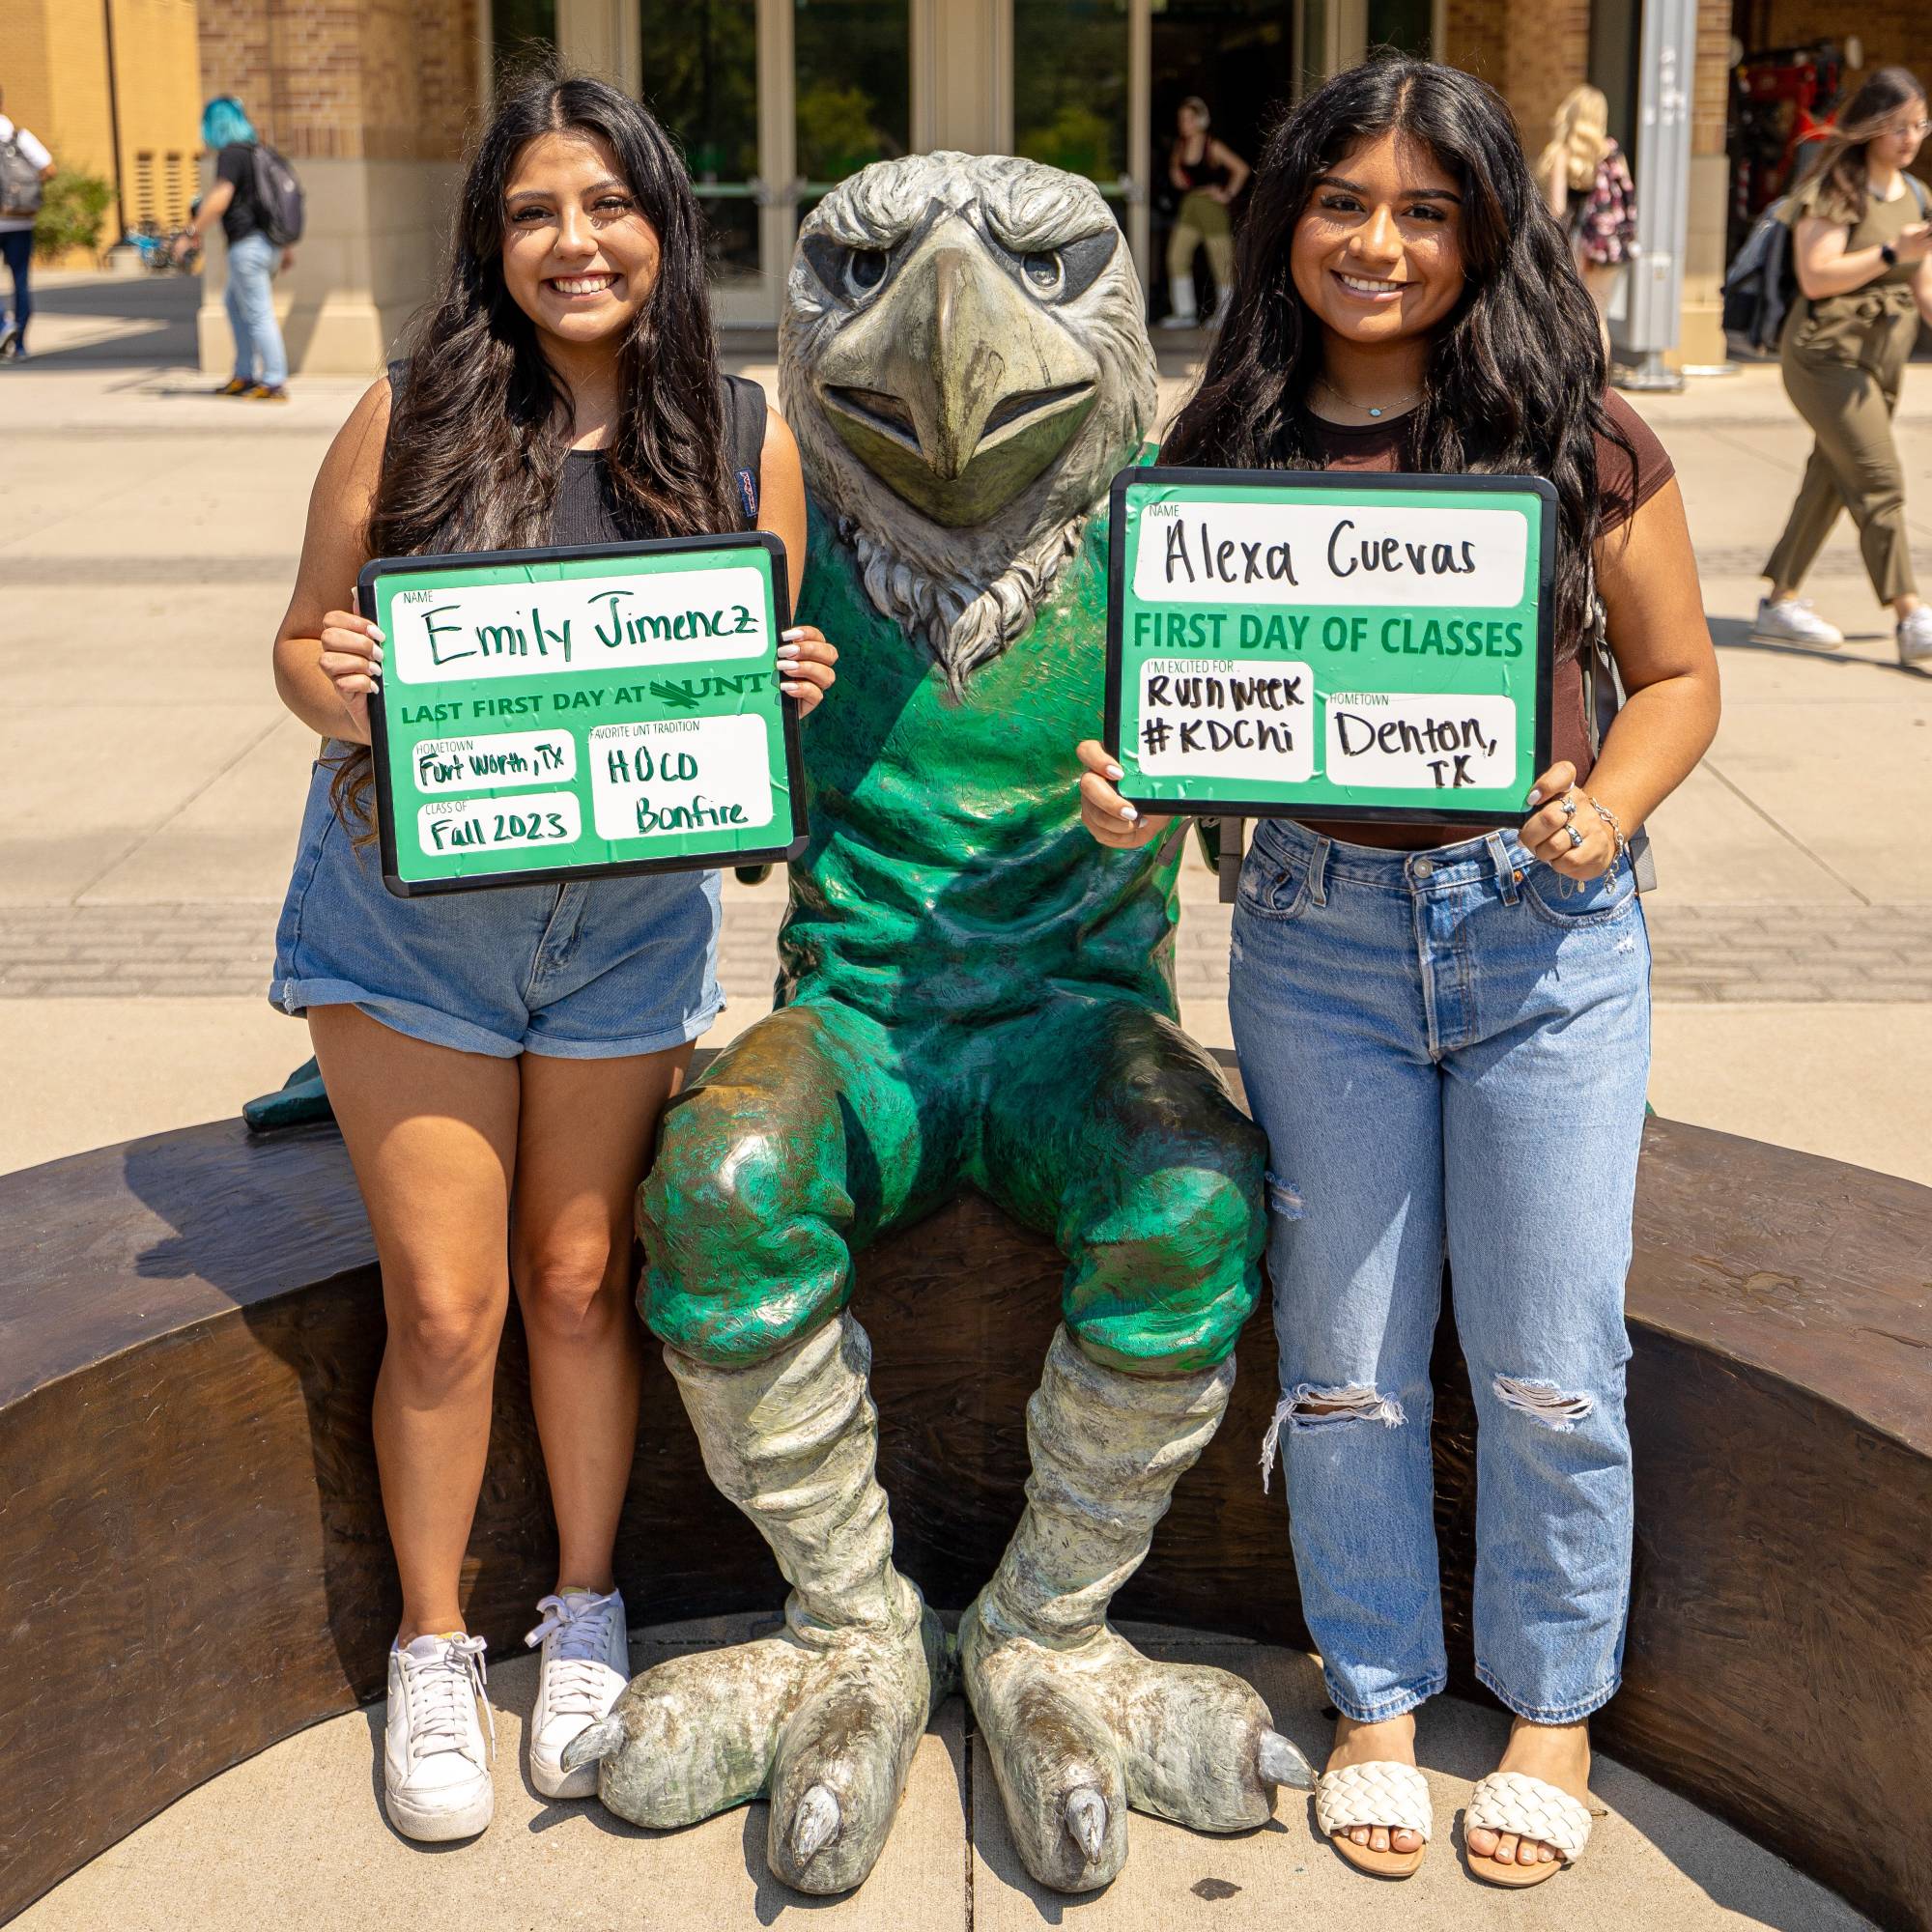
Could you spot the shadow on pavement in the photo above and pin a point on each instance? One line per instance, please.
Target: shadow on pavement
(158, 311)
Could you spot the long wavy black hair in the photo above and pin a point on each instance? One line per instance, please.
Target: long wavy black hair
(1516, 371)
(480, 423)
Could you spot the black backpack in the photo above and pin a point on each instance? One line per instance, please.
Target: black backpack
(1762, 283)
(278, 197)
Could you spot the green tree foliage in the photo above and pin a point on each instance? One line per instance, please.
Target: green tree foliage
(73, 210)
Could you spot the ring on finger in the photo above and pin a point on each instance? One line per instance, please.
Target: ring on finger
(1568, 803)
(1576, 837)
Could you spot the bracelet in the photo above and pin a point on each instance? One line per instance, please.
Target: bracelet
(1609, 818)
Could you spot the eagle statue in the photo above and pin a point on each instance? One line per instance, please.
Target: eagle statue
(971, 992)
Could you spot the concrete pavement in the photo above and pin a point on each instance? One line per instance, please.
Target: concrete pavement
(302, 1824)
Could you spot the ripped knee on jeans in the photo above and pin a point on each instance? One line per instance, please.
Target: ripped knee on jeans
(1308, 1406)
(1542, 1402)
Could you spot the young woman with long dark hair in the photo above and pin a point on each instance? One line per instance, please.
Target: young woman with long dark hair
(1862, 248)
(1446, 1038)
(497, 1060)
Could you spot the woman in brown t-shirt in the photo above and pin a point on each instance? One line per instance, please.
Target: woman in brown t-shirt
(1446, 1038)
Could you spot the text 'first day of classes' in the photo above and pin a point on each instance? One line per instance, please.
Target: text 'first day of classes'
(1400, 633)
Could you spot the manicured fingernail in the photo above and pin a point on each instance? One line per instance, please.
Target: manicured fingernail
(377, 631)
(1535, 798)
(788, 652)
(791, 637)
(1129, 815)
(1115, 772)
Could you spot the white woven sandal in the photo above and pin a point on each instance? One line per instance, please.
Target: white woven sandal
(1382, 1792)
(1507, 1801)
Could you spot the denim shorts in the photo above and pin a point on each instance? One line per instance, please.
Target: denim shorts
(591, 970)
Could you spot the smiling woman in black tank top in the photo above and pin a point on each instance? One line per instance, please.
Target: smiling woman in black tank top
(497, 1060)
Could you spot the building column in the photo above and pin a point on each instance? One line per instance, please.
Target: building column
(369, 100)
(1701, 340)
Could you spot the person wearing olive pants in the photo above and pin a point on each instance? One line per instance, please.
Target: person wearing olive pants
(1860, 242)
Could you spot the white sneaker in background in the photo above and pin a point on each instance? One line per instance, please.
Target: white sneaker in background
(1914, 636)
(435, 1767)
(1791, 620)
(585, 1663)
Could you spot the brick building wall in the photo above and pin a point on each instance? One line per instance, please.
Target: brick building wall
(1894, 31)
(371, 100)
(1532, 51)
(54, 66)
(347, 80)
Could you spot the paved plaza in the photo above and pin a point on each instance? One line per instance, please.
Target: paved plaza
(148, 538)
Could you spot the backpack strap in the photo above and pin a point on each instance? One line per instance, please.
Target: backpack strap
(745, 441)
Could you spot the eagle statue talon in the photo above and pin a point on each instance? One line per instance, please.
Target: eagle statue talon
(822, 1718)
(1082, 1728)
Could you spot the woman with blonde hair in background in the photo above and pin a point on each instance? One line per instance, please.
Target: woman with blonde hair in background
(1587, 184)
(1861, 244)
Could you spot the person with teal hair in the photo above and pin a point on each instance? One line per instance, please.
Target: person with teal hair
(261, 361)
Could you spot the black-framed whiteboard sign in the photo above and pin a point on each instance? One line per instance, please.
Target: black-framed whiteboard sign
(1330, 644)
(578, 713)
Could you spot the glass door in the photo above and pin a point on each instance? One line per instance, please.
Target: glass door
(700, 78)
(1238, 58)
(1072, 94)
(773, 101)
(851, 92)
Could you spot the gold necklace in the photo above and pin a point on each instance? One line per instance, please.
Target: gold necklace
(1375, 411)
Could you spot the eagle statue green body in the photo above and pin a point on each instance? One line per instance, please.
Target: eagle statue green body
(971, 992)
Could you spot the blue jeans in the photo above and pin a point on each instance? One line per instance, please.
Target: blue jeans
(251, 301)
(16, 250)
(1447, 1051)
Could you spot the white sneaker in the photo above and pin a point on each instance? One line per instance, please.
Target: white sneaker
(1791, 620)
(585, 1663)
(435, 1767)
(1914, 636)
(1175, 320)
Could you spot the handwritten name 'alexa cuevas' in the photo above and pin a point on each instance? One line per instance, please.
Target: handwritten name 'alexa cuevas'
(1203, 557)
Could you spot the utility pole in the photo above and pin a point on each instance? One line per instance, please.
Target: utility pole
(1665, 66)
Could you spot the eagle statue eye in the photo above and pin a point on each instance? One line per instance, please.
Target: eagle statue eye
(865, 269)
(1069, 269)
(1045, 271)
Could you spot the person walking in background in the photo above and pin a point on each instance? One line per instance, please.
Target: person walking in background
(1863, 249)
(1208, 174)
(1587, 184)
(261, 361)
(25, 167)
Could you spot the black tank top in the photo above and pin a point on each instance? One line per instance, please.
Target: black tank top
(586, 510)
(588, 513)
(1204, 173)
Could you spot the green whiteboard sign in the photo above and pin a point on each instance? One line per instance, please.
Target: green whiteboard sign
(1318, 644)
(549, 714)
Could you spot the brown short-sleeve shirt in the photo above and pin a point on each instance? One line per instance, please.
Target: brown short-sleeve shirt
(1623, 486)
